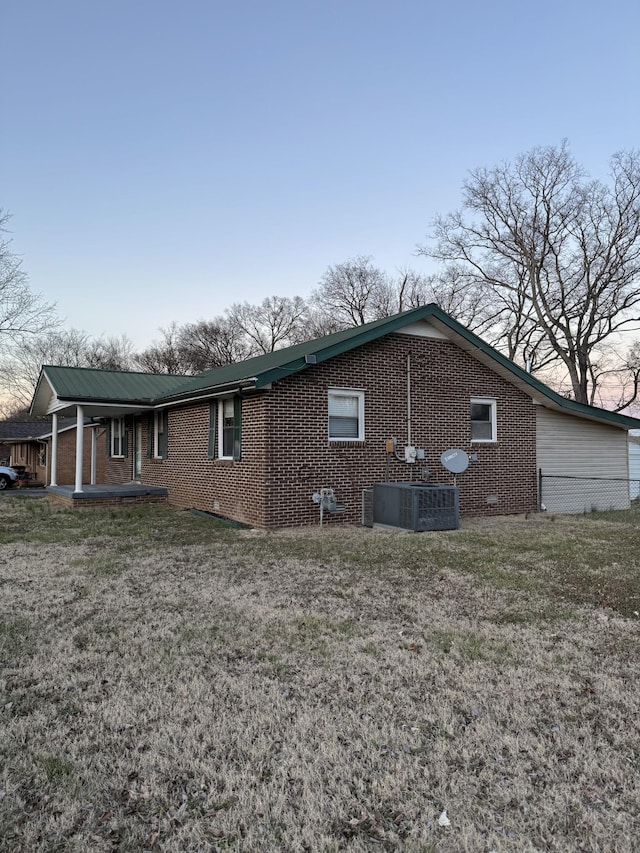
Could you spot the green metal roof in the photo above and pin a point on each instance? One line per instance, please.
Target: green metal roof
(262, 370)
(87, 384)
(91, 384)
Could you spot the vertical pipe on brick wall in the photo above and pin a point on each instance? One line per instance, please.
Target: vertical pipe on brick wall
(54, 450)
(409, 399)
(79, 446)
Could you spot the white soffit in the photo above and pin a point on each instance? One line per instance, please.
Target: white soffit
(423, 329)
(45, 399)
(444, 333)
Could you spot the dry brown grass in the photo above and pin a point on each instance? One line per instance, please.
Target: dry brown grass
(171, 685)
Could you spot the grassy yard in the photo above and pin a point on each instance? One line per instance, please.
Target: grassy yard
(169, 684)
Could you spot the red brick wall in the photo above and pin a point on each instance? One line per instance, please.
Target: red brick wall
(286, 455)
(234, 489)
(118, 469)
(66, 468)
(443, 380)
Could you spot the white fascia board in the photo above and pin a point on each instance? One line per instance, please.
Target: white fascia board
(96, 408)
(210, 394)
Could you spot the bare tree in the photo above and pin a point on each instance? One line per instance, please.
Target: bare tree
(320, 322)
(163, 356)
(211, 343)
(354, 292)
(276, 322)
(20, 365)
(23, 313)
(245, 330)
(411, 290)
(553, 256)
(616, 376)
(110, 353)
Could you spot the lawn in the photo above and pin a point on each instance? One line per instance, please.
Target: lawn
(171, 684)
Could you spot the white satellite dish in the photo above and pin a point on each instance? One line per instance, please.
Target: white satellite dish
(455, 460)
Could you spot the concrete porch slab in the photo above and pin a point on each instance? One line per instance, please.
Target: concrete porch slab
(118, 494)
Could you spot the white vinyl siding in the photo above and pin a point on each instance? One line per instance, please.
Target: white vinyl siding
(572, 447)
(634, 469)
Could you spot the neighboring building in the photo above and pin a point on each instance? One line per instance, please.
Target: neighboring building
(254, 440)
(27, 444)
(20, 444)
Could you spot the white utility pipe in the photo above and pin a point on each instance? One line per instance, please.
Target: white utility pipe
(79, 447)
(54, 450)
(409, 399)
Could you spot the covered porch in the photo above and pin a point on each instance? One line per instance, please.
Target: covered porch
(99, 396)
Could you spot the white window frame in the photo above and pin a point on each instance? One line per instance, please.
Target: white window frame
(346, 392)
(491, 402)
(158, 430)
(117, 435)
(221, 403)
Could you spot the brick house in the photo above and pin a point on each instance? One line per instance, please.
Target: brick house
(254, 440)
(27, 444)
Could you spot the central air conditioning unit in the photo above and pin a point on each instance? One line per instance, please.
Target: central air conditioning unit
(416, 506)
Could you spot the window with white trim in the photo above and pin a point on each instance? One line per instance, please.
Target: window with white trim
(117, 437)
(160, 438)
(483, 419)
(229, 427)
(346, 415)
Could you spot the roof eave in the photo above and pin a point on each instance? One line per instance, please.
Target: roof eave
(325, 353)
(146, 403)
(199, 394)
(535, 386)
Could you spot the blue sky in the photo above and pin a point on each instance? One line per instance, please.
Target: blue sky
(162, 160)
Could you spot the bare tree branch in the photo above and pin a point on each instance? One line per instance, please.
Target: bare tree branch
(552, 258)
(23, 313)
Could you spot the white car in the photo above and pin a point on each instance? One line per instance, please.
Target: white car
(8, 478)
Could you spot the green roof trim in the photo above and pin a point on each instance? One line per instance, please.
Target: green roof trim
(83, 384)
(538, 386)
(262, 370)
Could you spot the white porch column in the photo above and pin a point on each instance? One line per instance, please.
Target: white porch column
(79, 446)
(54, 450)
(93, 456)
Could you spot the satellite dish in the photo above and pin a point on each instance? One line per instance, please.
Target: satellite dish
(455, 461)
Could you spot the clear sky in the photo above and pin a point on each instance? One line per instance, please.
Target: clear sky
(164, 159)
